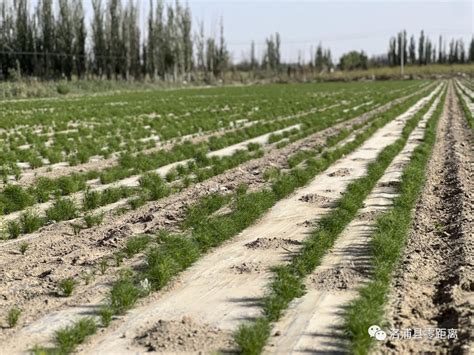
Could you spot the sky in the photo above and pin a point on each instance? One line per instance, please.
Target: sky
(339, 25)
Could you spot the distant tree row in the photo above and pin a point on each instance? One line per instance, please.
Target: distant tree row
(40, 43)
(51, 41)
(424, 51)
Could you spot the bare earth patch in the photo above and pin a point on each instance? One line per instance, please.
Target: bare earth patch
(247, 268)
(184, 336)
(272, 243)
(339, 278)
(315, 198)
(340, 172)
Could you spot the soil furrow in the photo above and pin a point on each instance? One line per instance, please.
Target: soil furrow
(434, 286)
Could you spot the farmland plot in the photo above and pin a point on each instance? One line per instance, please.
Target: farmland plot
(150, 222)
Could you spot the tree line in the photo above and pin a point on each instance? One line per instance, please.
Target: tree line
(53, 40)
(423, 51)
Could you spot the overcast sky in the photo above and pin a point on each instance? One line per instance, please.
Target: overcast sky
(340, 25)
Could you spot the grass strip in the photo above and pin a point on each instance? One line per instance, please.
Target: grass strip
(288, 278)
(176, 253)
(67, 339)
(465, 108)
(387, 244)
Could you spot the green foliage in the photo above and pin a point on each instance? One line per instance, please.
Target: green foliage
(287, 282)
(23, 247)
(13, 316)
(353, 60)
(103, 266)
(14, 198)
(63, 209)
(136, 244)
(387, 244)
(123, 295)
(251, 338)
(93, 220)
(106, 314)
(66, 286)
(30, 222)
(13, 229)
(68, 338)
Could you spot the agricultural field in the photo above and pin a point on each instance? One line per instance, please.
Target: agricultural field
(284, 218)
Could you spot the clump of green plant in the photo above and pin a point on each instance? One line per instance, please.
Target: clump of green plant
(124, 294)
(93, 220)
(118, 257)
(30, 222)
(67, 286)
(76, 228)
(154, 186)
(13, 229)
(103, 266)
(63, 209)
(91, 200)
(252, 340)
(136, 244)
(15, 198)
(13, 316)
(137, 202)
(69, 337)
(23, 247)
(106, 314)
(271, 174)
(62, 89)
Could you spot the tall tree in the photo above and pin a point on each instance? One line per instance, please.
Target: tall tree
(421, 49)
(80, 36)
(253, 57)
(412, 50)
(115, 59)
(65, 39)
(98, 39)
(47, 32)
(471, 51)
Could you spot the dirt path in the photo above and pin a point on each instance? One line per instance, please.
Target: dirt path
(30, 280)
(223, 289)
(434, 288)
(313, 323)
